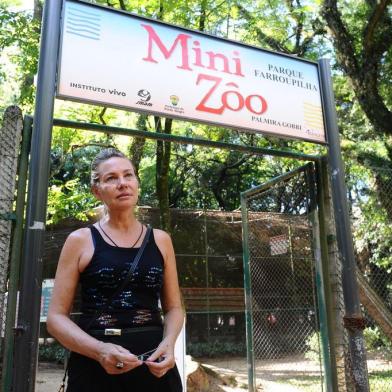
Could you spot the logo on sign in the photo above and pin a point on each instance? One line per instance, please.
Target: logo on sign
(174, 100)
(144, 97)
(173, 107)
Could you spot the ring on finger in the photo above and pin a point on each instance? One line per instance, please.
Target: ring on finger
(119, 365)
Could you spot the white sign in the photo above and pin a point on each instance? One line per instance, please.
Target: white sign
(180, 356)
(122, 60)
(279, 245)
(46, 296)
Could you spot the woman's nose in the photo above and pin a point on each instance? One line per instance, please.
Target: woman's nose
(121, 181)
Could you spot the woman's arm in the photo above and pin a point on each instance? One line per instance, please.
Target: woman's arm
(76, 253)
(171, 305)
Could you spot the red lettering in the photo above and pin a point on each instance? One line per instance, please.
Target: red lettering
(225, 98)
(197, 51)
(153, 37)
(201, 106)
(214, 56)
(263, 102)
(230, 99)
(237, 62)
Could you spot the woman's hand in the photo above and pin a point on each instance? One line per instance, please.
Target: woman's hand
(111, 355)
(161, 360)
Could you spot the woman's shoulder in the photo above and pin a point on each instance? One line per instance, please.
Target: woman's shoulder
(79, 236)
(163, 242)
(161, 236)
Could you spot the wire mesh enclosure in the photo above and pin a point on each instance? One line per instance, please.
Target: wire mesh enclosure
(208, 246)
(282, 293)
(370, 190)
(10, 136)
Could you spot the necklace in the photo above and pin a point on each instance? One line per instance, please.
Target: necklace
(104, 232)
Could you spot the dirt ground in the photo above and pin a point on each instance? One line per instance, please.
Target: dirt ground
(270, 375)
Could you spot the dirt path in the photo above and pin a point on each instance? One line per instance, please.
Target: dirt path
(48, 378)
(270, 375)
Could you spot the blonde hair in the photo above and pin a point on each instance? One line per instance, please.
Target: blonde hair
(103, 156)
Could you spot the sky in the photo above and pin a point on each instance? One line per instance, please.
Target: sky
(22, 5)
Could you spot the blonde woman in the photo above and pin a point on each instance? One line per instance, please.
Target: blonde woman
(122, 341)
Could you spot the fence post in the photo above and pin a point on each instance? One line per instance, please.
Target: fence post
(10, 136)
(333, 284)
(15, 258)
(26, 341)
(353, 319)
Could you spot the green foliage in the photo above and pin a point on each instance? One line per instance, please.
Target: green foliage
(377, 342)
(69, 200)
(19, 31)
(216, 348)
(313, 347)
(201, 177)
(52, 352)
(303, 384)
(371, 209)
(380, 381)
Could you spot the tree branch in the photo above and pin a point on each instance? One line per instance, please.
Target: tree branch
(262, 37)
(377, 15)
(341, 37)
(101, 114)
(363, 68)
(122, 5)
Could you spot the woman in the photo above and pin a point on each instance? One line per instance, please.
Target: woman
(109, 338)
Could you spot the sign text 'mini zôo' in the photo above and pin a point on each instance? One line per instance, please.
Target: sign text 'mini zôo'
(121, 60)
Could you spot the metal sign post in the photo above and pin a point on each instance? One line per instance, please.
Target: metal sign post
(353, 319)
(27, 330)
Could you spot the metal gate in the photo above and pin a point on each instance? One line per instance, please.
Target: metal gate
(283, 282)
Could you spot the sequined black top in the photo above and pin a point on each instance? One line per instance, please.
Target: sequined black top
(137, 305)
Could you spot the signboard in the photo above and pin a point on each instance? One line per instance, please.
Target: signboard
(47, 289)
(114, 58)
(279, 245)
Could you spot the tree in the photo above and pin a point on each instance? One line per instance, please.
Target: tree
(20, 31)
(363, 46)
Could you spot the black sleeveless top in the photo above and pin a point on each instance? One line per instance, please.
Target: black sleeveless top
(137, 305)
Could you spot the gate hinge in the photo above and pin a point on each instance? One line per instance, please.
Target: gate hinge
(19, 330)
(354, 324)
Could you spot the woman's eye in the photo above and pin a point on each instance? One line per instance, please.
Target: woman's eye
(129, 175)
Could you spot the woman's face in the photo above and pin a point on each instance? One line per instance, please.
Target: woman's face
(118, 185)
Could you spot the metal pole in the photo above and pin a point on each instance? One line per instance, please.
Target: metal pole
(322, 191)
(321, 258)
(182, 139)
(27, 331)
(353, 319)
(15, 257)
(248, 297)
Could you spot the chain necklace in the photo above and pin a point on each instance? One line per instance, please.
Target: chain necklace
(104, 232)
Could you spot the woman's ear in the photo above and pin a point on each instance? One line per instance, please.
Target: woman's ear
(95, 191)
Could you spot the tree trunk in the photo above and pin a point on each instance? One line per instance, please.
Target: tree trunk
(363, 64)
(28, 79)
(137, 147)
(163, 153)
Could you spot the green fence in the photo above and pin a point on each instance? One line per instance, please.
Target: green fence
(370, 191)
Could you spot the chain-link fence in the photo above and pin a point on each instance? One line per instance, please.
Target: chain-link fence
(10, 136)
(370, 190)
(286, 328)
(208, 246)
(287, 335)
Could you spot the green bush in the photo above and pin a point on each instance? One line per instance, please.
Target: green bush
(313, 347)
(377, 342)
(216, 349)
(52, 352)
